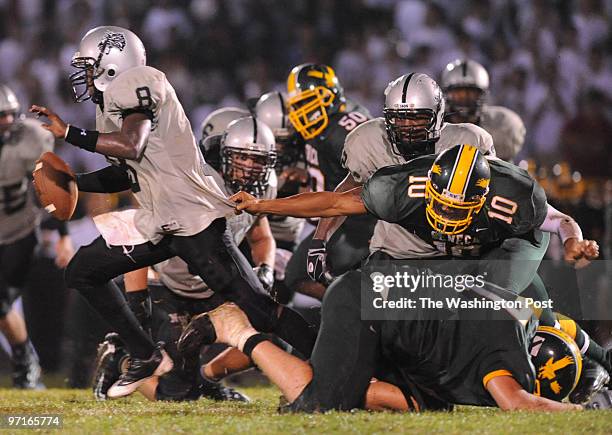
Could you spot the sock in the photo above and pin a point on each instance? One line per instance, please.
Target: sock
(139, 302)
(19, 350)
(587, 346)
(109, 302)
(292, 328)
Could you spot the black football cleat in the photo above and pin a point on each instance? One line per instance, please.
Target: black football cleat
(26, 369)
(199, 332)
(139, 370)
(217, 391)
(112, 356)
(592, 379)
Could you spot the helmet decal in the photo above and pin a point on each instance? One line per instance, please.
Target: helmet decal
(112, 40)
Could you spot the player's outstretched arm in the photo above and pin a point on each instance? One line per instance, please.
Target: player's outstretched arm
(577, 251)
(326, 227)
(310, 204)
(128, 143)
(510, 396)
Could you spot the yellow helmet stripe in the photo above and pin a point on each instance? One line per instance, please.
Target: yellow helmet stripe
(466, 158)
(291, 81)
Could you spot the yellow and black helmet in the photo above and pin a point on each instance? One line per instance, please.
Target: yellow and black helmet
(313, 95)
(456, 188)
(557, 362)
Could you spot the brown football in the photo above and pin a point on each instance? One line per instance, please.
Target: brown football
(55, 186)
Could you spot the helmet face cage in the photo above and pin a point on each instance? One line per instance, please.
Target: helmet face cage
(411, 141)
(557, 361)
(456, 189)
(447, 216)
(466, 109)
(248, 170)
(308, 111)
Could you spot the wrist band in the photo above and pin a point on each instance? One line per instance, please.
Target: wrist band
(85, 139)
(251, 342)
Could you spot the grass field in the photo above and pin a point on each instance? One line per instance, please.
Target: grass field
(83, 415)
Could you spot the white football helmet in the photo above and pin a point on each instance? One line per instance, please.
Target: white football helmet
(8, 100)
(414, 114)
(466, 86)
(104, 53)
(217, 121)
(272, 110)
(247, 155)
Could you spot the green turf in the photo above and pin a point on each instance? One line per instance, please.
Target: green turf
(83, 415)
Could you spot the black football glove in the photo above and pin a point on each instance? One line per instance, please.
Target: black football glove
(265, 274)
(316, 262)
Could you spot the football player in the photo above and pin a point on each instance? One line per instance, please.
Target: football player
(507, 223)
(412, 126)
(177, 294)
(22, 141)
(145, 134)
(321, 114)
(414, 364)
(466, 88)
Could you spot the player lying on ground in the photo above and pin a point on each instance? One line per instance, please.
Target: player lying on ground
(413, 365)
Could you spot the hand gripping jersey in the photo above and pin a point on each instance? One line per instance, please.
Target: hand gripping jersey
(515, 205)
(507, 129)
(174, 272)
(19, 214)
(367, 149)
(168, 180)
(324, 153)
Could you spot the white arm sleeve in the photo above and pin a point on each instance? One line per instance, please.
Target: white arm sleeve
(561, 224)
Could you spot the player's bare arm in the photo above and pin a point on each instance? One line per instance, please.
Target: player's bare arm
(328, 226)
(128, 143)
(510, 396)
(309, 204)
(578, 252)
(261, 242)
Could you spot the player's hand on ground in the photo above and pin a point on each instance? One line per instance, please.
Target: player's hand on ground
(580, 252)
(56, 125)
(245, 202)
(64, 251)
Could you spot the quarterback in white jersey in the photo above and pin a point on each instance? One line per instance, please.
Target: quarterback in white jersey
(466, 87)
(145, 133)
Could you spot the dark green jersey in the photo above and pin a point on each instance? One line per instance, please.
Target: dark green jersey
(453, 360)
(515, 206)
(324, 153)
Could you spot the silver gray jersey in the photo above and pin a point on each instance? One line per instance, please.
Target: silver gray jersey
(367, 149)
(286, 228)
(19, 150)
(507, 129)
(168, 180)
(174, 273)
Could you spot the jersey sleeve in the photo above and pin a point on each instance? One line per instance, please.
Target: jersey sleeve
(138, 90)
(378, 197)
(365, 150)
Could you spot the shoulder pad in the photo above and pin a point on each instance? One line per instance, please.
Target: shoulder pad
(465, 133)
(507, 129)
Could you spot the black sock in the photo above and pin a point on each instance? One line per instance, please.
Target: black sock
(109, 302)
(139, 302)
(19, 350)
(296, 331)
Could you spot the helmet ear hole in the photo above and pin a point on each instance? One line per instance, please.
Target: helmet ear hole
(111, 73)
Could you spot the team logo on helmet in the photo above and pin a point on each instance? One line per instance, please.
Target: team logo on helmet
(112, 40)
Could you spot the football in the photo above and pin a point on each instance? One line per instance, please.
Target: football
(55, 186)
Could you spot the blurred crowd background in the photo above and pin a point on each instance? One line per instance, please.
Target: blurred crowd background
(549, 60)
